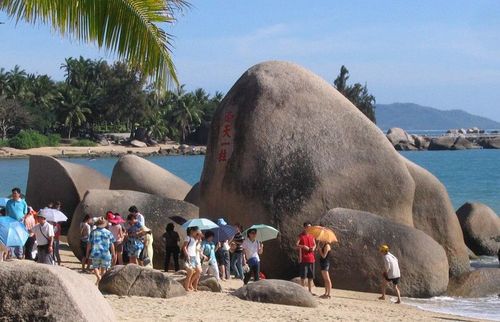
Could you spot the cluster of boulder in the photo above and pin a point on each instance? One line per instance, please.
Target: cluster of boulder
(272, 173)
(260, 170)
(453, 140)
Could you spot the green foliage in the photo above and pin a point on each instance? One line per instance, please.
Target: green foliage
(28, 139)
(129, 28)
(53, 139)
(4, 143)
(357, 94)
(84, 142)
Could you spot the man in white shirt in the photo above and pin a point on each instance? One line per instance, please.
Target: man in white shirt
(391, 272)
(252, 248)
(44, 234)
(140, 217)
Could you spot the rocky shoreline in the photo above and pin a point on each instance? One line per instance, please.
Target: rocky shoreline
(453, 140)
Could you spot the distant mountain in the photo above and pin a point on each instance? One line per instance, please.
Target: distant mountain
(411, 116)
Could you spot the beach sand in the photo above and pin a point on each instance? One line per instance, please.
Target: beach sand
(207, 306)
(76, 151)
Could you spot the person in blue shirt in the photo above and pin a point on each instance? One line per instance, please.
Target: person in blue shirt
(100, 248)
(208, 248)
(16, 208)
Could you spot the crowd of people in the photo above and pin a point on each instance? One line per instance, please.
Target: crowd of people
(109, 240)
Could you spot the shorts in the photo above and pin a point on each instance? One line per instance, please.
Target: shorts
(394, 281)
(194, 262)
(83, 248)
(306, 269)
(101, 263)
(119, 247)
(324, 266)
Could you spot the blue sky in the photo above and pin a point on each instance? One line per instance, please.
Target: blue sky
(444, 54)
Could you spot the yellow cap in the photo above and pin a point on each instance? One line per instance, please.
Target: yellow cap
(384, 248)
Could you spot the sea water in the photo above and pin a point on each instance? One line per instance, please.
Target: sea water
(470, 175)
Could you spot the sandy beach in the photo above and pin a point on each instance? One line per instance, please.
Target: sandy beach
(205, 306)
(97, 151)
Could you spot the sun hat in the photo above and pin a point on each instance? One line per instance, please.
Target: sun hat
(41, 215)
(101, 223)
(383, 248)
(110, 216)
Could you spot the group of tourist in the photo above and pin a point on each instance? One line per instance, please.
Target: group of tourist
(110, 240)
(42, 244)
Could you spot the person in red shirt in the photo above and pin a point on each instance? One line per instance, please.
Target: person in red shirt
(306, 245)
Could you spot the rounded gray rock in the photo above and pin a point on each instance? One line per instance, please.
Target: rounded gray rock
(276, 292)
(135, 173)
(357, 265)
(285, 147)
(38, 292)
(480, 227)
(50, 179)
(156, 211)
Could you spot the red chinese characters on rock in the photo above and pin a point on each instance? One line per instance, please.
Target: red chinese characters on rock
(226, 137)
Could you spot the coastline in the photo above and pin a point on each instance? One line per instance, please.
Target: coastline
(112, 150)
(201, 306)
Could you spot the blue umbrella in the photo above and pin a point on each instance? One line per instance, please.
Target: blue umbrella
(223, 232)
(3, 202)
(12, 232)
(202, 223)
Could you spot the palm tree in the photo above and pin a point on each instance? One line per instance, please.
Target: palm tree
(73, 108)
(185, 111)
(16, 79)
(3, 80)
(129, 28)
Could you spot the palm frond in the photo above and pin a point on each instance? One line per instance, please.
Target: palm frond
(128, 28)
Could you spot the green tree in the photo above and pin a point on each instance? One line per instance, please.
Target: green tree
(16, 79)
(357, 94)
(13, 117)
(129, 28)
(185, 113)
(72, 108)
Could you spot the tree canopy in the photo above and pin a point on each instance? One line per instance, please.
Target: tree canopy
(358, 94)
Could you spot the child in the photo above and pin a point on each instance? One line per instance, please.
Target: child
(391, 273)
(208, 252)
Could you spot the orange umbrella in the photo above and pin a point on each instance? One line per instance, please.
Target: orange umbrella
(322, 234)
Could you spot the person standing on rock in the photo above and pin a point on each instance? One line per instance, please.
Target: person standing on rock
(100, 248)
(17, 209)
(44, 234)
(391, 272)
(252, 249)
(172, 239)
(133, 244)
(306, 245)
(208, 252)
(237, 258)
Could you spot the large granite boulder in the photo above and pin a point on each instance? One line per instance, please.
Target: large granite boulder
(490, 142)
(479, 283)
(481, 228)
(135, 173)
(36, 292)
(276, 292)
(50, 179)
(442, 143)
(207, 283)
(397, 135)
(156, 211)
(285, 147)
(433, 213)
(194, 195)
(356, 263)
(135, 280)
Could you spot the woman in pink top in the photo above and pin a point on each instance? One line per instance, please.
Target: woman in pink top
(118, 232)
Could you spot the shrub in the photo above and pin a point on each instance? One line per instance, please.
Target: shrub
(84, 142)
(4, 143)
(53, 139)
(28, 140)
